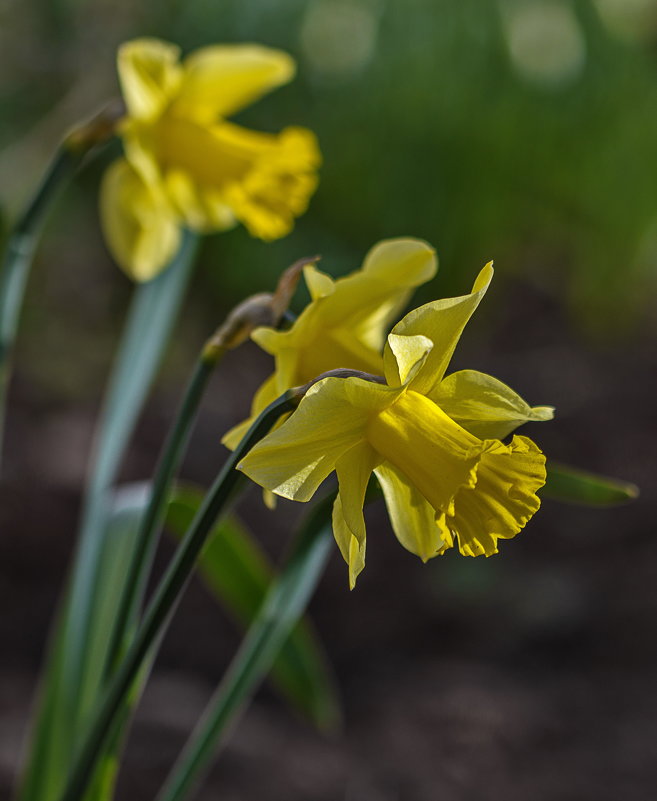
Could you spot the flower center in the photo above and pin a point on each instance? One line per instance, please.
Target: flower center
(434, 452)
(212, 156)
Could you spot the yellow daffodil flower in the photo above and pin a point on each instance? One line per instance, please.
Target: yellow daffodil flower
(186, 165)
(434, 444)
(345, 323)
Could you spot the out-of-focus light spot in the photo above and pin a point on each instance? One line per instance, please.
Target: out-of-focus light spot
(545, 40)
(338, 37)
(635, 20)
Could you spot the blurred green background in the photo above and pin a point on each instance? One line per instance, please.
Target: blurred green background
(523, 131)
(519, 130)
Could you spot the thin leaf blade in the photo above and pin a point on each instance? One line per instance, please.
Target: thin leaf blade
(50, 751)
(284, 604)
(572, 485)
(145, 337)
(74, 672)
(237, 572)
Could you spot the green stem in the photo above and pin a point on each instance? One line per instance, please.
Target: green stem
(284, 604)
(168, 463)
(164, 601)
(18, 258)
(24, 236)
(147, 329)
(172, 452)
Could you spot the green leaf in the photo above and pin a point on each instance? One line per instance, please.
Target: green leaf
(18, 256)
(80, 144)
(50, 751)
(76, 664)
(283, 605)
(157, 616)
(236, 570)
(572, 485)
(146, 334)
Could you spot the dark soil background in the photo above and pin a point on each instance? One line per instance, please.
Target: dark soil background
(526, 675)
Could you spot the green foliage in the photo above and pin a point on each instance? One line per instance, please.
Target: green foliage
(238, 573)
(145, 337)
(281, 608)
(435, 130)
(569, 484)
(438, 133)
(74, 675)
(54, 736)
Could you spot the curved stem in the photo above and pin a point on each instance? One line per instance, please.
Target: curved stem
(146, 331)
(164, 601)
(171, 455)
(18, 258)
(24, 236)
(284, 604)
(174, 447)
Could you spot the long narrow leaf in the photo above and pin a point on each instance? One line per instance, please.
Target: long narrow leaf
(282, 607)
(146, 334)
(570, 484)
(237, 571)
(50, 752)
(24, 237)
(157, 616)
(73, 680)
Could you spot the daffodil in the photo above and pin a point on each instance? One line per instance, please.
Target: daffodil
(434, 443)
(186, 165)
(345, 323)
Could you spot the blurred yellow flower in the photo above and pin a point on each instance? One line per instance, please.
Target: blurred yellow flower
(345, 323)
(434, 444)
(186, 165)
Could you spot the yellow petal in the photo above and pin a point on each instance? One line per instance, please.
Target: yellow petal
(319, 284)
(404, 357)
(265, 394)
(354, 469)
(139, 149)
(347, 321)
(269, 499)
(311, 348)
(369, 300)
(504, 497)
(221, 79)
(149, 74)
(268, 339)
(442, 321)
(361, 303)
(232, 438)
(485, 406)
(204, 209)
(294, 460)
(434, 453)
(278, 187)
(141, 230)
(263, 180)
(352, 551)
(412, 517)
(412, 261)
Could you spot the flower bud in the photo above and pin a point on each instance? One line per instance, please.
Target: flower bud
(263, 309)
